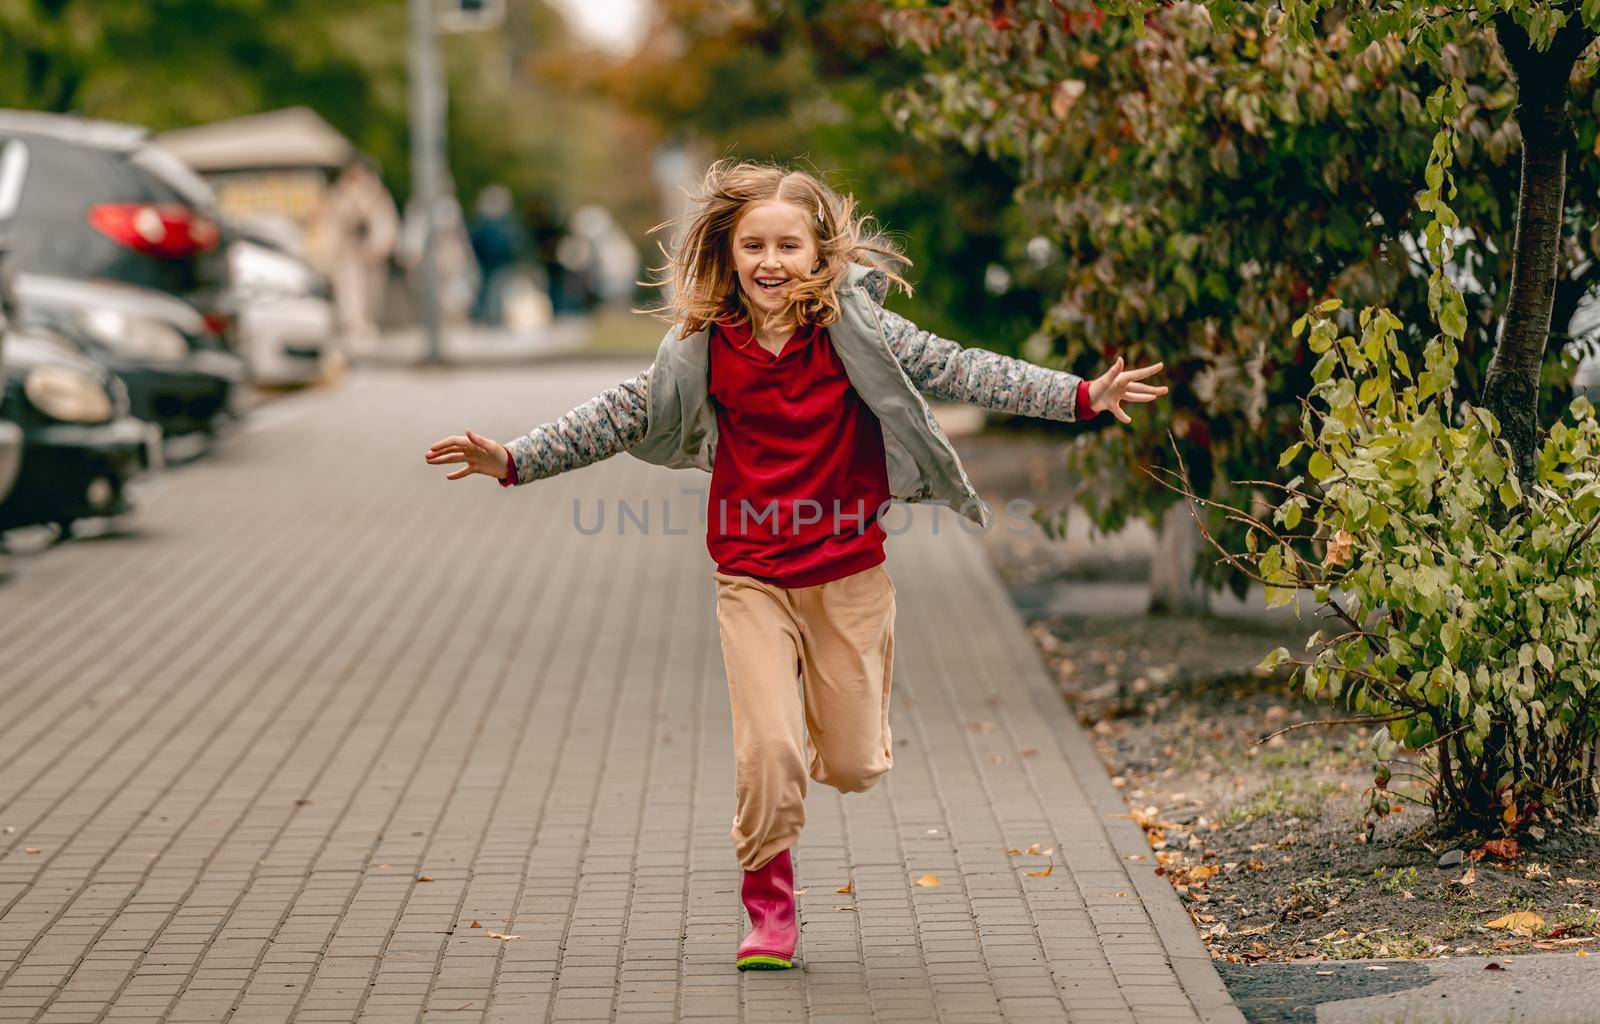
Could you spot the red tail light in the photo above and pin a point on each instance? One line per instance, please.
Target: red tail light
(168, 230)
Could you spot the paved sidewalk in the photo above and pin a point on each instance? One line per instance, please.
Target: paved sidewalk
(269, 757)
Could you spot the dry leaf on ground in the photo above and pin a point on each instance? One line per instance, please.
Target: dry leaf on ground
(505, 938)
(930, 880)
(1042, 874)
(1521, 923)
(424, 878)
(847, 889)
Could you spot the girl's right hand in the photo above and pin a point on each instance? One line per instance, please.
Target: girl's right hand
(481, 455)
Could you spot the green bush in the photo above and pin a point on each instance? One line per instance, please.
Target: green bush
(1460, 606)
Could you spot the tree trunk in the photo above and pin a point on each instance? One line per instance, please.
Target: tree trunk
(1511, 391)
(1175, 589)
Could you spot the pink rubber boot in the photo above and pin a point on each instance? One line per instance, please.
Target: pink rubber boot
(769, 899)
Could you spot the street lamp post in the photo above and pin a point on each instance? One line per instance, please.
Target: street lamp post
(430, 179)
(427, 161)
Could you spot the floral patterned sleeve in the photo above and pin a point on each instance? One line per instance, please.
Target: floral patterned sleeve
(611, 422)
(945, 370)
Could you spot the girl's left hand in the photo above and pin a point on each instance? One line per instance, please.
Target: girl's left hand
(1116, 385)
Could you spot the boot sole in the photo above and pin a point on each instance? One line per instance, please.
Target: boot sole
(763, 962)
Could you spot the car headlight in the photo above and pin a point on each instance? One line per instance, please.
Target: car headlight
(63, 393)
(135, 337)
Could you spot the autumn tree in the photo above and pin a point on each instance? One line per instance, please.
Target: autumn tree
(1202, 180)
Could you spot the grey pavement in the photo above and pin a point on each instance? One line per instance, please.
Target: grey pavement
(268, 756)
(1545, 988)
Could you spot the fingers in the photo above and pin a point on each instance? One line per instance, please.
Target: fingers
(455, 440)
(1142, 372)
(458, 474)
(1116, 410)
(1143, 393)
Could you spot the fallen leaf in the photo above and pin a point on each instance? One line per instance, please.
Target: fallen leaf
(802, 892)
(33, 849)
(1501, 849)
(1521, 923)
(846, 889)
(1043, 874)
(1205, 871)
(1014, 852)
(1034, 849)
(475, 924)
(1583, 952)
(1030, 751)
(1536, 871)
(1324, 974)
(505, 938)
(1468, 877)
(929, 880)
(850, 907)
(981, 726)
(424, 878)
(1492, 966)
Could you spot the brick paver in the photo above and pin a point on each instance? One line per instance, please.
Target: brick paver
(233, 744)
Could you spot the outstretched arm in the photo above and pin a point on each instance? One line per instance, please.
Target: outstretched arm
(945, 370)
(606, 424)
(610, 422)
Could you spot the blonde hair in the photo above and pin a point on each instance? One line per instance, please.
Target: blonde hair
(701, 284)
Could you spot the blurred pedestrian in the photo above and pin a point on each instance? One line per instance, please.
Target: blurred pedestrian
(350, 239)
(498, 242)
(455, 266)
(784, 377)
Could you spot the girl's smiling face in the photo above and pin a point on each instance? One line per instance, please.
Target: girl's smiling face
(773, 246)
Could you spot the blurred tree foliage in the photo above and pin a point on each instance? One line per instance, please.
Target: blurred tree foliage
(172, 63)
(1202, 183)
(809, 83)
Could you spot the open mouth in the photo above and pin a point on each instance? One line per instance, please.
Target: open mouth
(771, 284)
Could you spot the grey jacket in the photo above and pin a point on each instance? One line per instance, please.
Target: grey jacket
(665, 415)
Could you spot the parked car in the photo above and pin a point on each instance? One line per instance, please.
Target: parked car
(281, 307)
(10, 437)
(97, 199)
(177, 373)
(80, 445)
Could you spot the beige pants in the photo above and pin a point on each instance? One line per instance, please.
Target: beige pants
(808, 675)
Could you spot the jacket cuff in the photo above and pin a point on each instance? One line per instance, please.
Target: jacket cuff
(510, 479)
(1084, 410)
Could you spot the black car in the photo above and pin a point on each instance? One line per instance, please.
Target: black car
(10, 455)
(177, 374)
(98, 199)
(80, 447)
